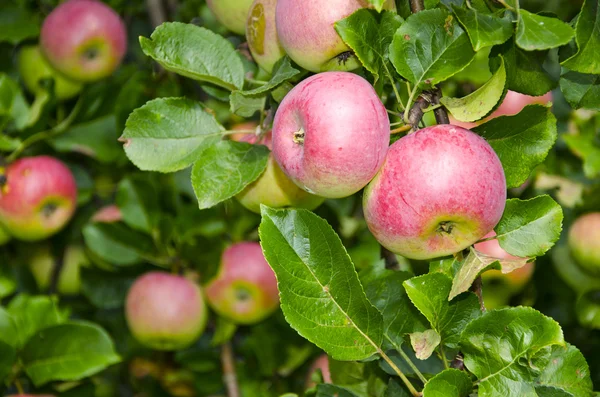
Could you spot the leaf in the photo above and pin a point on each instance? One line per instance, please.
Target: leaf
(18, 24)
(567, 370)
(13, 105)
(327, 390)
(430, 47)
(449, 383)
(8, 329)
(282, 72)
(484, 30)
(378, 4)
(424, 343)
(395, 390)
(586, 148)
(68, 352)
(536, 32)
(587, 32)
(9, 144)
(137, 198)
(246, 106)
(195, 52)
(522, 141)
(429, 294)
(581, 90)
(105, 290)
(529, 228)
(474, 264)
(168, 134)
(8, 356)
(481, 102)
(225, 169)
(506, 349)
(321, 296)
(115, 243)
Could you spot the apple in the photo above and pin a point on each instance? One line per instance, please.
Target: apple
(322, 363)
(245, 288)
(587, 309)
(440, 190)
(231, 13)
(107, 214)
(85, 40)
(42, 262)
(38, 199)
(331, 134)
(584, 242)
(33, 67)
(307, 33)
(165, 311)
(261, 34)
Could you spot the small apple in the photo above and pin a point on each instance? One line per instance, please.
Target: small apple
(322, 363)
(584, 242)
(331, 134)
(245, 288)
(440, 190)
(261, 34)
(38, 199)
(231, 13)
(42, 262)
(85, 40)
(165, 311)
(107, 214)
(307, 33)
(33, 67)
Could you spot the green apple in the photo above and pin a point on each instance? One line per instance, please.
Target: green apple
(262, 35)
(231, 13)
(42, 264)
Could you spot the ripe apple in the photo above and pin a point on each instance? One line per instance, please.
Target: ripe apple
(440, 190)
(85, 40)
(231, 13)
(584, 242)
(245, 288)
(307, 33)
(262, 34)
(41, 265)
(322, 363)
(107, 214)
(38, 199)
(331, 134)
(33, 67)
(165, 311)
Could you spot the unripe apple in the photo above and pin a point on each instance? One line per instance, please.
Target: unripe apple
(33, 67)
(42, 264)
(38, 199)
(85, 40)
(307, 33)
(165, 311)
(331, 134)
(231, 13)
(245, 288)
(584, 242)
(107, 214)
(322, 363)
(262, 34)
(440, 190)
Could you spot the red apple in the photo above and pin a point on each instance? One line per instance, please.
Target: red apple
(231, 13)
(38, 199)
(42, 264)
(262, 34)
(322, 363)
(85, 40)
(331, 134)
(165, 311)
(584, 242)
(107, 214)
(440, 190)
(245, 288)
(307, 33)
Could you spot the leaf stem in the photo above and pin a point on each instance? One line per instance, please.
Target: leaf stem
(229, 374)
(477, 288)
(389, 75)
(408, 361)
(397, 370)
(404, 128)
(397, 114)
(408, 105)
(443, 357)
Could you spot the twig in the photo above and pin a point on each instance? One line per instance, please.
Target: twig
(415, 114)
(417, 5)
(441, 115)
(477, 288)
(391, 262)
(156, 12)
(229, 375)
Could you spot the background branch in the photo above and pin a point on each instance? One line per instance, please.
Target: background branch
(229, 375)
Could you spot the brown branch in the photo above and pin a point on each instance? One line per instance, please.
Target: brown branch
(477, 288)
(156, 12)
(415, 114)
(391, 262)
(441, 115)
(229, 375)
(417, 5)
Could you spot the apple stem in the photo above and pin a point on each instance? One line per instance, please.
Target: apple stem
(229, 374)
(477, 288)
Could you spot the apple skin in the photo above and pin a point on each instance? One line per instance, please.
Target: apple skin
(33, 67)
(85, 40)
(331, 134)
(231, 13)
(584, 242)
(245, 288)
(322, 363)
(107, 214)
(440, 190)
(41, 265)
(38, 199)
(261, 34)
(165, 311)
(307, 34)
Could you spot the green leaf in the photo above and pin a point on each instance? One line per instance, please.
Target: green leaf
(8, 356)
(536, 32)
(522, 141)
(246, 106)
(378, 4)
(105, 290)
(567, 370)
(529, 228)
(321, 296)
(195, 52)
(18, 24)
(168, 134)
(282, 72)
(507, 348)
(430, 47)
(424, 343)
(137, 198)
(581, 90)
(395, 390)
(481, 102)
(115, 243)
(587, 30)
(484, 30)
(224, 331)
(449, 383)
(8, 329)
(327, 390)
(429, 293)
(68, 352)
(225, 169)
(13, 105)
(9, 144)
(586, 148)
